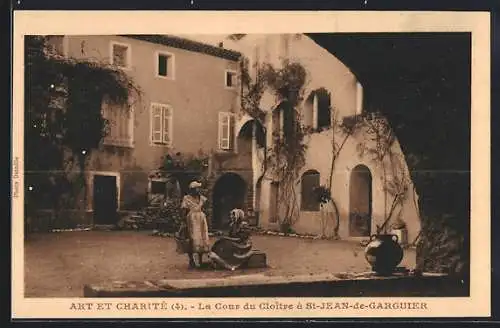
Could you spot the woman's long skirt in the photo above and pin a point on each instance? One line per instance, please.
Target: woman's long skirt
(198, 231)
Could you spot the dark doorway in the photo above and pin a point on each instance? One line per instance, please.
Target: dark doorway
(360, 202)
(229, 192)
(105, 200)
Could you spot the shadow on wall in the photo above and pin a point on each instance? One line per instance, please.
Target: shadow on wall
(134, 192)
(229, 192)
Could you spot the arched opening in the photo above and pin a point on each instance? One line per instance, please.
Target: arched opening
(324, 108)
(229, 192)
(309, 182)
(246, 132)
(309, 110)
(287, 118)
(317, 109)
(360, 202)
(244, 144)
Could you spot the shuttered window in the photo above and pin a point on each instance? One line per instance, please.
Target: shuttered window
(309, 201)
(120, 125)
(226, 127)
(120, 55)
(161, 124)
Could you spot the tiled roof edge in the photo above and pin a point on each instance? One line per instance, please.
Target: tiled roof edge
(186, 44)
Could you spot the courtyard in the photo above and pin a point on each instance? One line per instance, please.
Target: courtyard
(60, 264)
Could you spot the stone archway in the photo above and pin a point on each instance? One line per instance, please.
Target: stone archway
(360, 202)
(229, 192)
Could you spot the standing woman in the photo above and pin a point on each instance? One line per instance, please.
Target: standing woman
(196, 222)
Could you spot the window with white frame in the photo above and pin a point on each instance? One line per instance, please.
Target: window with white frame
(161, 124)
(230, 79)
(226, 130)
(119, 125)
(165, 65)
(120, 55)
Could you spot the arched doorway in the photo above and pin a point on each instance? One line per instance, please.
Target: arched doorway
(244, 144)
(229, 192)
(360, 202)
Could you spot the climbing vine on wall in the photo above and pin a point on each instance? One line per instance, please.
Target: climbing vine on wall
(377, 145)
(286, 157)
(186, 167)
(64, 98)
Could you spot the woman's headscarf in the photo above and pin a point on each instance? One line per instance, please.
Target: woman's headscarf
(194, 185)
(236, 216)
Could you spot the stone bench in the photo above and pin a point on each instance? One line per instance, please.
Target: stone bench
(264, 285)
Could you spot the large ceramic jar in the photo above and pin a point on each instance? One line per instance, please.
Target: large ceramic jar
(384, 253)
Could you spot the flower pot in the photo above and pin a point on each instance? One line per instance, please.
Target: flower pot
(402, 234)
(384, 253)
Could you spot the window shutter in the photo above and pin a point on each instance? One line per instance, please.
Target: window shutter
(120, 54)
(224, 130)
(105, 116)
(281, 127)
(315, 111)
(114, 123)
(131, 118)
(167, 125)
(122, 124)
(156, 123)
(232, 137)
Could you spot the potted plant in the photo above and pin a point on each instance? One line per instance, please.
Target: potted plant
(384, 251)
(322, 194)
(398, 227)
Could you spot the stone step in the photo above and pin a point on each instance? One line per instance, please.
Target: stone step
(268, 285)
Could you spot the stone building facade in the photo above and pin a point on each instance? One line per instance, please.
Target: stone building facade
(361, 186)
(191, 104)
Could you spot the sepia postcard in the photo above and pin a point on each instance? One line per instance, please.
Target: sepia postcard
(239, 164)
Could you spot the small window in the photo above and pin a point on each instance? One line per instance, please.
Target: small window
(230, 79)
(309, 183)
(165, 65)
(120, 55)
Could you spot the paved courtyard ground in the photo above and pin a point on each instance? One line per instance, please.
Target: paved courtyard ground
(60, 264)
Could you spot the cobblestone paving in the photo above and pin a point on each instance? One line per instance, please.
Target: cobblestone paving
(59, 264)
